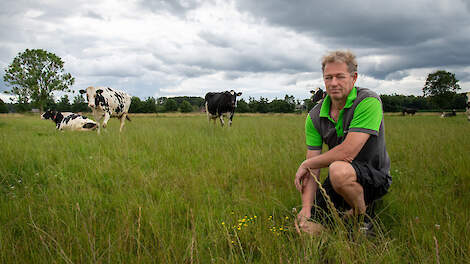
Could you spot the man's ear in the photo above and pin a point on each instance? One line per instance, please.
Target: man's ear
(82, 91)
(99, 91)
(239, 94)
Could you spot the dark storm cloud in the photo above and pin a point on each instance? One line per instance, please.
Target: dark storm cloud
(415, 33)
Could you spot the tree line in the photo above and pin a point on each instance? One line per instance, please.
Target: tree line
(35, 74)
(187, 104)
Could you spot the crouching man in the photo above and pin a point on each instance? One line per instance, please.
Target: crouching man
(350, 121)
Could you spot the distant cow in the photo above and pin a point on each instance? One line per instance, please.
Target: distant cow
(468, 106)
(410, 111)
(221, 104)
(318, 94)
(107, 103)
(69, 121)
(447, 114)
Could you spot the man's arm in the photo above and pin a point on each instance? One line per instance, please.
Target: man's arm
(309, 189)
(345, 151)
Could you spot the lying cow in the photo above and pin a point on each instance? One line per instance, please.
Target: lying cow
(69, 121)
(317, 95)
(222, 104)
(106, 103)
(410, 111)
(447, 114)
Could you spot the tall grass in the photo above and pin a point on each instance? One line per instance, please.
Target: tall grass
(174, 189)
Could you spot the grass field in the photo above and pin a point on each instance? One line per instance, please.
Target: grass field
(172, 189)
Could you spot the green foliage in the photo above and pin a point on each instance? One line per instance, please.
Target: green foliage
(441, 87)
(136, 105)
(3, 107)
(79, 104)
(242, 106)
(171, 105)
(185, 107)
(64, 104)
(35, 74)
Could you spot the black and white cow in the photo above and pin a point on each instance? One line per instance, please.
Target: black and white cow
(318, 94)
(221, 104)
(447, 114)
(69, 121)
(106, 103)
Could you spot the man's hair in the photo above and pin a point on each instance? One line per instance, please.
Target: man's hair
(340, 56)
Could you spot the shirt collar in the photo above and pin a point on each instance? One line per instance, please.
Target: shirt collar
(325, 107)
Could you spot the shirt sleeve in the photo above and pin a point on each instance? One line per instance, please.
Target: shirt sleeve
(367, 117)
(312, 137)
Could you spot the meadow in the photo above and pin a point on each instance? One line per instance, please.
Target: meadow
(174, 189)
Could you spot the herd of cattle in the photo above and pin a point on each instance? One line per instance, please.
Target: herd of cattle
(106, 103)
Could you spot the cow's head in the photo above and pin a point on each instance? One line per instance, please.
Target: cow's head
(49, 114)
(233, 97)
(93, 96)
(317, 95)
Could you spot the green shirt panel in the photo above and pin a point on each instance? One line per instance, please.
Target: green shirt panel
(368, 114)
(312, 137)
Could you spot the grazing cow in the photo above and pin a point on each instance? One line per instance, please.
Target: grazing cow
(107, 103)
(222, 104)
(468, 106)
(318, 94)
(447, 114)
(69, 121)
(410, 111)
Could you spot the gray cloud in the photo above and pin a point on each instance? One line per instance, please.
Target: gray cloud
(416, 33)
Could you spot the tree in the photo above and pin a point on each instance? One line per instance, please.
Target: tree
(136, 105)
(35, 74)
(186, 107)
(441, 87)
(171, 105)
(3, 107)
(64, 104)
(79, 104)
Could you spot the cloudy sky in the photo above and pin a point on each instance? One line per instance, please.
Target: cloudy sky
(263, 48)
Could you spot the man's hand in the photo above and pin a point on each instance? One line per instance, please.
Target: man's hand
(302, 173)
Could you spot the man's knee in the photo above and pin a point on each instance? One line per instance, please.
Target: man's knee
(341, 175)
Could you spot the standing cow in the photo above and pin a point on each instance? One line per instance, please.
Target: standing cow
(222, 104)
(69, 121)
(106, 103)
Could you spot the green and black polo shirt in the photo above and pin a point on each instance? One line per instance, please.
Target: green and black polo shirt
(361, 113)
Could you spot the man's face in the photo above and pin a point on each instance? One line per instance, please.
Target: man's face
(338, 81)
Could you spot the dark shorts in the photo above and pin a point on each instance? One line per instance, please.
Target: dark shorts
(374, 182)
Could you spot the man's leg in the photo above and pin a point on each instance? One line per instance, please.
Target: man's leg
(344, 181)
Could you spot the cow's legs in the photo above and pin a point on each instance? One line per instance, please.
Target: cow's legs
(98, 118)
(106, 119)
(123, 119)
(230, 120)
(221, 118)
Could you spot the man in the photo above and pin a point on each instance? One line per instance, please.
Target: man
(350, 121)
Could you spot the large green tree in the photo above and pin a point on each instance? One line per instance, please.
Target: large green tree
(441, 87)
(35, 74)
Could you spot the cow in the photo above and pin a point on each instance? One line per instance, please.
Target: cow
(468, 106)
(447, 114)
(410, 111)
(318, 94)
(69, 121)
(221, 104)
(106, 103)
